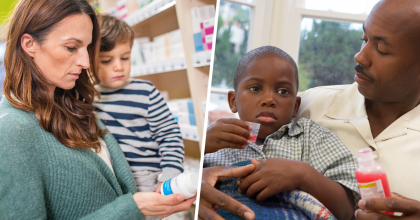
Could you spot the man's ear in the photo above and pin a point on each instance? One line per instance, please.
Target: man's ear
(28, 44)
(232, 101)
(297, 105)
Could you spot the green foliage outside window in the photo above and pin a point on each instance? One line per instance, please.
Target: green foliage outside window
(326, 54)
(226, 59)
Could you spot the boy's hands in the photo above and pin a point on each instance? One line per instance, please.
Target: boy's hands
(227, 133)
(273, 176)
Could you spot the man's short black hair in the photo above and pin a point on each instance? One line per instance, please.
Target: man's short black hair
(260, 52)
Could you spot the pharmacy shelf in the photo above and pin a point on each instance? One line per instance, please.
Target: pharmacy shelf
(149, 11)
(198, 76)
(186, 79)
(159, 67)
(202, 58)
(189, 132)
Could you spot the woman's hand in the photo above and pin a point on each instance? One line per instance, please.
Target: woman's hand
(227, 133)
(408, 207)
(158, 187)
(155, 204)
(209, 195)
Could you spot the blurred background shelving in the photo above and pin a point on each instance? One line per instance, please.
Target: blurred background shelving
(164, 53)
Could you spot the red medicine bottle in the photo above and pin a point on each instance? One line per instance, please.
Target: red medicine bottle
(371, 177)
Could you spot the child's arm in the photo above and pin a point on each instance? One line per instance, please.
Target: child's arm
(278, 175)
(330, 177)
(227, 133)
(166, 132)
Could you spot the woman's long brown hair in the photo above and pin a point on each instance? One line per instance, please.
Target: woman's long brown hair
(69, 115)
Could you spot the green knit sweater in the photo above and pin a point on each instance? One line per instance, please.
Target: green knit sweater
(42, 179)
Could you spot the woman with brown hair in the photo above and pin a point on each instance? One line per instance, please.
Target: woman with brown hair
(56, 159)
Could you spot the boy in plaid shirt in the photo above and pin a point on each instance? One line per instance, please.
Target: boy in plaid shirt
(297, 155)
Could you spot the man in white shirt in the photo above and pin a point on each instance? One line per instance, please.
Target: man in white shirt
(381, 110)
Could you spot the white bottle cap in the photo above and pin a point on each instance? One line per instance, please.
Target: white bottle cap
(366, 155)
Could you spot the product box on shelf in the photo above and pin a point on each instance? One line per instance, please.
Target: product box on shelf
(142, 3)
(183, 112)
(131, 6)
(121, 9)
(207, 29)
(198, 16)
(138, 51)
(168, 46)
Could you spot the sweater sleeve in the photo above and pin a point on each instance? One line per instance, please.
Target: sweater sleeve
(123, 208)
(21, 185)
(166, 133)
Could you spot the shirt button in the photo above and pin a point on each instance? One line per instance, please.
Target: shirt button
(283, 130)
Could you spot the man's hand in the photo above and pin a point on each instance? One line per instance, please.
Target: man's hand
(209, 195)
(271, 177)
(227, 133)
(397, 203)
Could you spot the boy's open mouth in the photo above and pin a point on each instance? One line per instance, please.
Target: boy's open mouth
(266, 117)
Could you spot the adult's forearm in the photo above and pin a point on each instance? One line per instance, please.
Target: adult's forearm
(337, 198)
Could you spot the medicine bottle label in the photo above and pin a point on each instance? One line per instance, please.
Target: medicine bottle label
(167, 190)
(372, 190)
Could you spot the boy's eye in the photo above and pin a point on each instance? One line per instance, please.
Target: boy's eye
(71, 49)
(105, 61)
(255, 88)
(125, 58)
(283, 92)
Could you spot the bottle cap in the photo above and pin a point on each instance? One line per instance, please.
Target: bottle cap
(366, 155)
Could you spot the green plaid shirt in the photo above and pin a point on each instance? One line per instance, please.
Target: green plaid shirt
(305, 141)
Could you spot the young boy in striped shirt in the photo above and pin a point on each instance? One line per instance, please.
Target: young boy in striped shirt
(135, 113)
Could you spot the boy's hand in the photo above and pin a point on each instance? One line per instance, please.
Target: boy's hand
(273, 176)
(158, 187)
(227, 133)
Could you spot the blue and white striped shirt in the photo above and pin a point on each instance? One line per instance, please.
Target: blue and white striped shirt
(139, 118)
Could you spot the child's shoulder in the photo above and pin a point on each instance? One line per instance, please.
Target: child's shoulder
(139, 84)
(311, 127)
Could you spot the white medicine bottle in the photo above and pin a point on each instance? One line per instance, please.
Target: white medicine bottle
(185, 184)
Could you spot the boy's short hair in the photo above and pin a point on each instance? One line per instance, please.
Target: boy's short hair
(260, 52)
(113, 31)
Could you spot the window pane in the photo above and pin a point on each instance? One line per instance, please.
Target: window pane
(231, 42)
(326, 53)
(219, 107)
(345, 6)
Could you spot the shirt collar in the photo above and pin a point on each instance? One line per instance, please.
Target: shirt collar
(350, 106)
(291, 129)
(106, 89)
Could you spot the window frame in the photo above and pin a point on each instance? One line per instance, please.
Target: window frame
(261, 19)
(286, 33)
